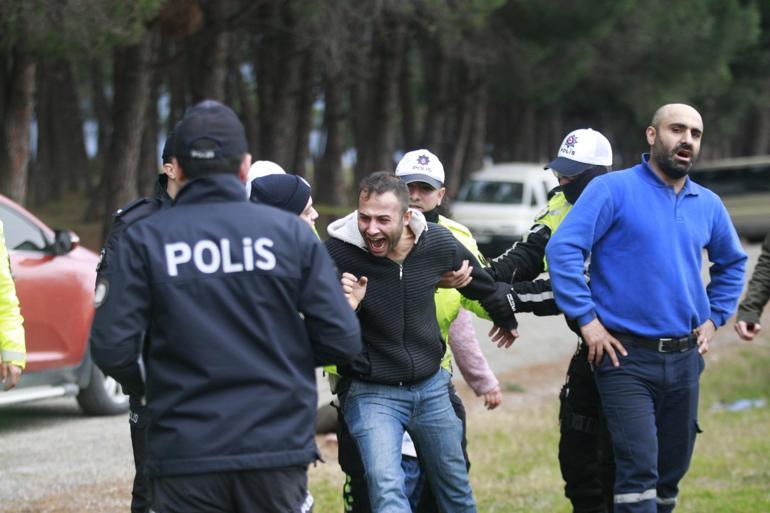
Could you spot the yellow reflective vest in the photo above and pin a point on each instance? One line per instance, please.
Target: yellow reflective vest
(449, 301)
(12, 347)
(553, 214)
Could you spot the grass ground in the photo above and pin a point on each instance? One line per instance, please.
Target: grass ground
(514, 449)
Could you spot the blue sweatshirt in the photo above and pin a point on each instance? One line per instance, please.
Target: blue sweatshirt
(646, 248)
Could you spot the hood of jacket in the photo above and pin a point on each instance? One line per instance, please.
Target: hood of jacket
(346, 229)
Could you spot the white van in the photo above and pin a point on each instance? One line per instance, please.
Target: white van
(499, 203)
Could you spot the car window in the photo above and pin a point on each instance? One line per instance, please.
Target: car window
(479, 191)
(20, 233)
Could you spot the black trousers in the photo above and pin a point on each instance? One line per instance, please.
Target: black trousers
(276, 490)
(140, 493)
(585, 449)
(355, 493)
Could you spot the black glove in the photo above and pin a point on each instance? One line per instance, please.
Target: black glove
(501, 306)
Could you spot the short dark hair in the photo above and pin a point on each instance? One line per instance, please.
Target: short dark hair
(382, 182)
(195, 167)
(168, 148)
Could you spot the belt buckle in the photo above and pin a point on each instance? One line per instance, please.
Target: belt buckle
(662, 341)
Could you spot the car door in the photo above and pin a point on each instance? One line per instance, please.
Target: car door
(55, 291)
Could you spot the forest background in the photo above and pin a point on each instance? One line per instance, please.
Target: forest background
(335, 89)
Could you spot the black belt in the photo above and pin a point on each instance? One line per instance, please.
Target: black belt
(664, 344)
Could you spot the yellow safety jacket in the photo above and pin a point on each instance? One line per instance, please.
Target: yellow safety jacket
(12, 347)
(553, 214)
(449, 301)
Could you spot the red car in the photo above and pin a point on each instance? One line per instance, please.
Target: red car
(54, 279)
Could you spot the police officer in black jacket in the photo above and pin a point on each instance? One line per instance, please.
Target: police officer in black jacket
(241, 302)
(165, 190)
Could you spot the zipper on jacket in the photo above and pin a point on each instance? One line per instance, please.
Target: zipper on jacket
(400, 272)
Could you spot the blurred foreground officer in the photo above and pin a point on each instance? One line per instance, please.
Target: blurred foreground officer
(758, 294)
(645, 229)
(13, 354)
(238, 313)
(165, 190)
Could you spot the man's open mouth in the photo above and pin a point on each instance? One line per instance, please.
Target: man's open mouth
(683, 154)
(376, 245)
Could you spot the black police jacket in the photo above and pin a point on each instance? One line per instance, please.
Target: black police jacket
(241, 302)
(122, 219)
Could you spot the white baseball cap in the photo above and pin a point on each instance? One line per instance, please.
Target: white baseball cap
(421, 166)
(259, 169)
(580, 150)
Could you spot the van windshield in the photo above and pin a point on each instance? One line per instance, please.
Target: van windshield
(478, 191)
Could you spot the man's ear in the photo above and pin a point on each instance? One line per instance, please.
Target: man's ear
(170, 171)
(441, 193)
(407, 217)
(180, 176)
(243, 172)
(651, 134)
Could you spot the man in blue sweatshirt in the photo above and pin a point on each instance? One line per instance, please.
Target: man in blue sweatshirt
(645, 229)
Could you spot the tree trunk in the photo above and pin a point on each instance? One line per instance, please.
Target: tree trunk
(131, 83)
(102, 111)
(408, 117)
(361, 113)
(384, 88)
(178, 80)
(304, 113)
(18, 104)
(436, 83)
(149, 162)
(456, 151)
(248, 110)
(45, 181)
(61, 152)
(474, 157)
(329, 185)
(278, 82)
(208, 70)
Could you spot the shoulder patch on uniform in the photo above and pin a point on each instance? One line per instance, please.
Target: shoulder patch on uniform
(130, 206)
(100, 294)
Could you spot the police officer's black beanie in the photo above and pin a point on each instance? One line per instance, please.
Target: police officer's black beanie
(287, 192)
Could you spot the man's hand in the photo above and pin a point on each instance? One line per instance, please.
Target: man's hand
(599, 341)
(456, 279)
(705, 333)
(354, 289)
(747, 330)
(11, 375)
(493, 398)
(502, 337)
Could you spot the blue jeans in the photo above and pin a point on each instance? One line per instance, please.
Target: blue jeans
(376, 416)
(413, 479)
(651, 405)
